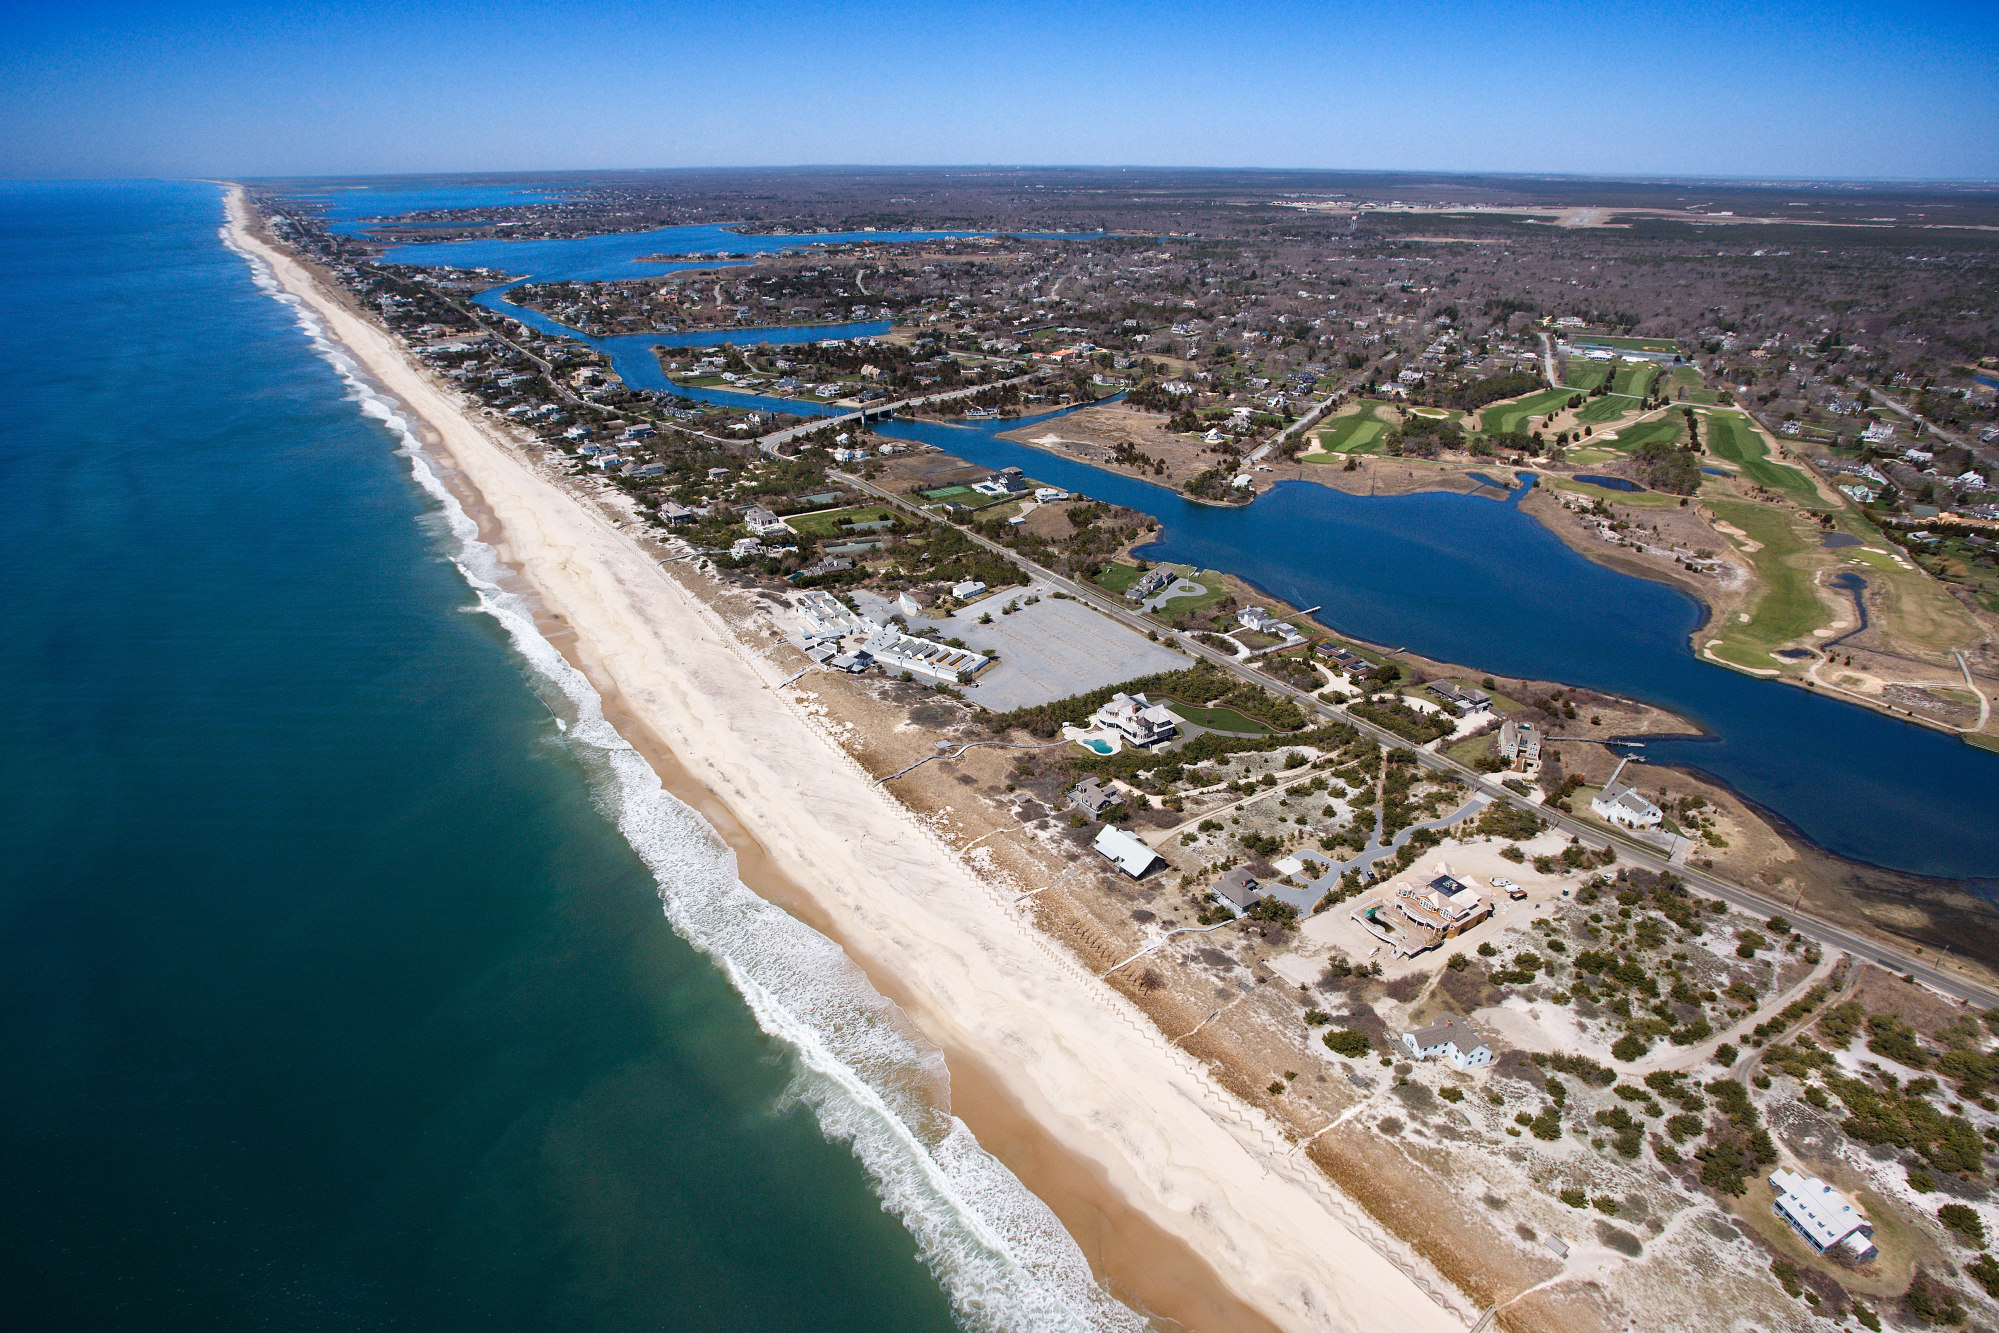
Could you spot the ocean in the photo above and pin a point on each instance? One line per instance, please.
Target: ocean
(355, 973)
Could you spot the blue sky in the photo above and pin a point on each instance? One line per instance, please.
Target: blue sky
(317, 88)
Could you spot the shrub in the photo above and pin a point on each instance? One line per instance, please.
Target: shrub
(1452, 1095)
(1575, 1198)
(1965, 1222)
(1629, 1047)
(1348, 1042)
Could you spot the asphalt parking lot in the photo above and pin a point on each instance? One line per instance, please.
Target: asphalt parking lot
(1051, 650)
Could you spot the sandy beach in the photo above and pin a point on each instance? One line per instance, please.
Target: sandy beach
(1187, 1203)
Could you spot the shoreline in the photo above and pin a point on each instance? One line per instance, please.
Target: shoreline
(1140, 1140)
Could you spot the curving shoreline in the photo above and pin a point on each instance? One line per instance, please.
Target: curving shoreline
(1202, 1214)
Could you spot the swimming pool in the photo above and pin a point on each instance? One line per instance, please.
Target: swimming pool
(1101, 747)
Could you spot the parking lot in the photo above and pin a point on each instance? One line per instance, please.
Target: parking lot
(1051, 650)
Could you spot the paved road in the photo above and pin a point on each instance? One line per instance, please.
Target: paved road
(1630, 852)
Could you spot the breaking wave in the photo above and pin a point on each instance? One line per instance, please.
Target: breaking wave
(997, 1251)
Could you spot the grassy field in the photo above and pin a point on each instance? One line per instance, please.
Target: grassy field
(1634, 379)
(1788, 607)
(1218, 719)
(1733, 440)
(1504, 418)
(1472, 748)
(1580, 374)
(1357, 432)
(828, 523)
(1116, 578)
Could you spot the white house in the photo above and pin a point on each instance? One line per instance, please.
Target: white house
(1449, 1038)
(1137, 719)
(1620, 803)
(1821, 1214)
(1127, 852)
(971, 588)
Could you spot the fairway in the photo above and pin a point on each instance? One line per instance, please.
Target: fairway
(1357, 433)
(1634, 380)
(1733, 440)
(1585, 375)
(1788, 607)
(1631, 438)
(1506, 418)
(1607, 408)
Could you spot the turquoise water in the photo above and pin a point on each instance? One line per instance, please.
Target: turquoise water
(338, 987)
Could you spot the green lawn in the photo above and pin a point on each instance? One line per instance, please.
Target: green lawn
(1580, 374)
(1787, 608)
(1218, 719)
(1733, 440)
(1356, 433)
(947, 492)
(1182, 606)
(1116, 578)
(1505, 418)
(828, 523)
(1634, 379)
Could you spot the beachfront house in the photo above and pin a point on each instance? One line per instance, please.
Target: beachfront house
(1136, 718)
(1126, 852)
(762, 522)
(1519, 743)
(1821, 1214)
(1449, 1038)
(1442, 909)
(1461, 697)
(1239, 889)
(1093, 798)
(1619, 803)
